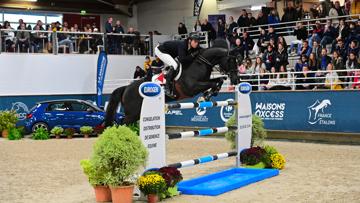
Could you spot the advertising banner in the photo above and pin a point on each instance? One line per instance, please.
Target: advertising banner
(101, 70)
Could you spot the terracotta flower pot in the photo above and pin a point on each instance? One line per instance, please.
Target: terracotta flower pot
(122, 194)
(102, 193)
(86, 136)
(57, 136)
(5, 133)
(69, 136)
(152, 198)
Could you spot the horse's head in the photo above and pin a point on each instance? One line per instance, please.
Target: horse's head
(229, 66)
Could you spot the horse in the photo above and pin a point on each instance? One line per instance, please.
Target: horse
(193, 80)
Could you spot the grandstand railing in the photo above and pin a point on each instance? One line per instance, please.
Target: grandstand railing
(204, 40)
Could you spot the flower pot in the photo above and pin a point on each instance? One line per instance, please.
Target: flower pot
(69, 136)
(57, 136)
(5, 133)
(122, 194)
(152, 198)
(86, 136)
(102, 194)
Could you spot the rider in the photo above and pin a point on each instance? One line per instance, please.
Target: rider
(184, 50)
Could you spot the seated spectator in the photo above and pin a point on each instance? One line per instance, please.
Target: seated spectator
(263, 41)
(269, 58)
(147, 63)
(324, 60)
(316, 49)
(313, 37)
(328, 36)
(157, 65)
(272, 43)
(318, 30)
(356, 80)
(305, 49)
(258, 65)
(139, 73)
(282, 40)
(40, 24)
(340, 47)
(303, 61)
(182, 29)
(282, 81)
(221, 26)
(351, 64)
(272, 34)
(281, 57)
(301, 34)
(238, 50)
(247, 44)
(22, 39)
(9, 37)
(353, 34)
(96, 41)
(338, 64)
(64, 39)
(232, 39)
(37, 39)
(332, 78)
(342, 32)
(272, 78)
(312, 62)
(305, 79)
(353, 48)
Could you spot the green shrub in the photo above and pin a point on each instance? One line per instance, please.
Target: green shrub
(57, 130)
(40, 134)
(15, 134)
(95, 177)
(118, 153)
(270, 150)
(8, 120)
(135, 127)
(86, 130)
(69, 131)
(258, 131)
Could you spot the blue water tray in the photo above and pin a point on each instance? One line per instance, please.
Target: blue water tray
(224, 181)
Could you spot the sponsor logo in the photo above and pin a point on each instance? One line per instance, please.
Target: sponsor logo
(270, 111)
(174, 112)
(226, 111)
(149, 89)
(200, 117)
(21, 110)
(245, 88)
(318, 113)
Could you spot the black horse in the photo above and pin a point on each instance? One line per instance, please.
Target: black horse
(194, 79)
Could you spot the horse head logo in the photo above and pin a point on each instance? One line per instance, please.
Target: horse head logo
(21, 110)
(315, 108)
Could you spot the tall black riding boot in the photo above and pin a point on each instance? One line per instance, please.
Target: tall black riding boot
(170, 75)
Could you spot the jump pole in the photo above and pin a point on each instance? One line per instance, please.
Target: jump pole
(152, 124)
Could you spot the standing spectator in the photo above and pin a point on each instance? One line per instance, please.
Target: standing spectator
(232, 24)
(243, 20)
(110, 38)
(328, 36)
(289, 13)
(281, 57)
(197, 26)
(261, 19)
(182, 29)
(269, 58)
(305, 79)
(139, 73)
(22, 38)
(322, 11)
(333, 14)
(221, 29)
(340, 10)
(301, 34)
(247, 44)
(324, 60)
(252, 20)
(338, 63)
(312, 62)
(118, 39)
(129, 41)
(273, 17)
(207, 27)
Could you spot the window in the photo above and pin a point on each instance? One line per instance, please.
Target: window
(76, 106)
(59, 106)
(30, 18)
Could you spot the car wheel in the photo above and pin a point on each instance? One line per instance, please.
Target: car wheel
(39, 125)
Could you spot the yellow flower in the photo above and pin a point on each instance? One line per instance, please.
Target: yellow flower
(277, 161)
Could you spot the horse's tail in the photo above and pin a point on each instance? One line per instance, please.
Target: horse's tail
(114, 101)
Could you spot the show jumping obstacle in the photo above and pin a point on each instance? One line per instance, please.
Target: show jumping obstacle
(152, 124)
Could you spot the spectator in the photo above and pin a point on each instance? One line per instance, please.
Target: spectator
(76, 28)
(351, 64)
(21, 21)
(342, 32)
(282, 40)
(305, 79)
(272, 34)
(272, 78)
(316, 49)
(64, 39)
(272, 43)
(340, 47)
(299, 11)
(332, 78)
(263, 79)
(347, 7)
(247, 44)
(318, 30)
(139, 73)
(129, 41)
(207, 27)
(243, 20)
(338, 63)
(231, 26)
(333, 14)
(182, 29)
(322, 11)
(324, 60)
(273, 17)
(238, 50)
(197, 26)
(353, 34)
(22, 38)
(339, 9)
(252, 20)
(221, 28)
(303, 61)
(313, 37)
(36, 39)
(263, 40)
(261, 19)
(353, 48)
(65, 25)
(301, 34)
(40, 24)
(258, 65)
(313, 62)
(269, 58)
(329, 33)
(95, 41)
(118, 39)
(147, 63)
(289, 13)
(9, 37)
(281, 57)
(110, 38)
(305, 49)
(157, 65)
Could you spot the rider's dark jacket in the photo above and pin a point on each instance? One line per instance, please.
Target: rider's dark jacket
(179, 49)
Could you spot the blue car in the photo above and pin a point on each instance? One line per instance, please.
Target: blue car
(65, 113)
